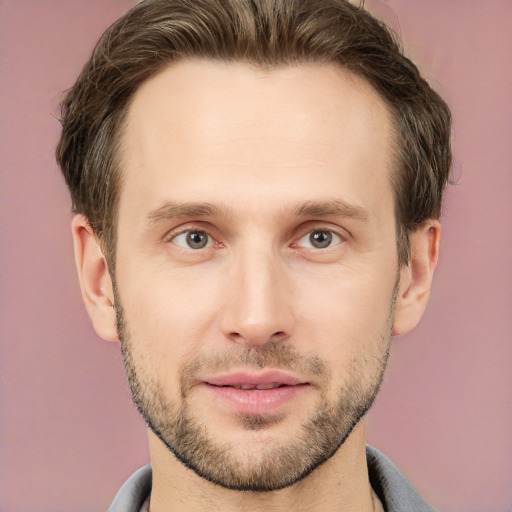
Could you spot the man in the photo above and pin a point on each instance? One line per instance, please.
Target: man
(257, 187)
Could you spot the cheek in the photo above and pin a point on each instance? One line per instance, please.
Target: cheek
(347, 316)
(169, 313)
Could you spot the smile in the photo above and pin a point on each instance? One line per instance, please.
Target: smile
(263, 393)
(270, 385)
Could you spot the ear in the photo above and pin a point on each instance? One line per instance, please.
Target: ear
(94, 277)
(416, 277)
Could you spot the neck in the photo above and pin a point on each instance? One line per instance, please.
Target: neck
(341, 483)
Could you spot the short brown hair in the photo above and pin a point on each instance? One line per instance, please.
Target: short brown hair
(268, 33)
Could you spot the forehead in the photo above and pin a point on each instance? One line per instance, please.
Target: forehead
(208, 128)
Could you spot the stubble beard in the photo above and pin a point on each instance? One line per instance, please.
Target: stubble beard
(270, 467)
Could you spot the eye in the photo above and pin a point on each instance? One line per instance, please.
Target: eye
(319, 239)
(193, 239)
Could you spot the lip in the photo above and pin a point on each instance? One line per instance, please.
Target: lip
(254, 379)
(226, 388)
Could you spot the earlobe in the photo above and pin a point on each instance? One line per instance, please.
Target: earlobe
(94, 277)
(416, 278)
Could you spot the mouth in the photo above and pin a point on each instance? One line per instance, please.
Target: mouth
(261, 380)
(245, 387)
(261, 393)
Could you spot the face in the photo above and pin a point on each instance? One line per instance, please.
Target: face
(256, 264)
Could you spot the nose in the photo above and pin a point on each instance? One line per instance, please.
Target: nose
(257, 305)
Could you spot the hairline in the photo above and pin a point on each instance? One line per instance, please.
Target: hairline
(116, 178)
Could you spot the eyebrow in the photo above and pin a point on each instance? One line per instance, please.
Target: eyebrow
(333, 207)
(171, 210)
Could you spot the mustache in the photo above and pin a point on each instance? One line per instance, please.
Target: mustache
(280, 356)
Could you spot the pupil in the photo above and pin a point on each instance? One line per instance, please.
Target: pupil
(197, 239)
(320, 239)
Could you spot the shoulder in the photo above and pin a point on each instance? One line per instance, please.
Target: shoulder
(394, 490)
(134, 492)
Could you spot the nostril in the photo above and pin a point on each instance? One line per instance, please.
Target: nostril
(253, 339)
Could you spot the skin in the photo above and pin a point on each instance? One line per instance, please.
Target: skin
(261, 147)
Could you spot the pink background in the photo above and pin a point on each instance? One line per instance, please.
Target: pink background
(69, 435)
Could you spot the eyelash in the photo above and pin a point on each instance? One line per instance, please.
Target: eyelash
(332, 234)
(336, 238)
(189, 232)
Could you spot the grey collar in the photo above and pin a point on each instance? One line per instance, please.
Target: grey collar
(390, 485)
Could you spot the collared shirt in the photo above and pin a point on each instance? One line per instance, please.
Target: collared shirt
(389, 484)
